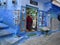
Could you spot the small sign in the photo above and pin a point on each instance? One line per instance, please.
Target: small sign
(33, 2)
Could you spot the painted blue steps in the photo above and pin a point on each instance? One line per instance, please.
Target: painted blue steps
(3, 26)
(4, 33)
(10, 41)
(5, 30)
(13, 40)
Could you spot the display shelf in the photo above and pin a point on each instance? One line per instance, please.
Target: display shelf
(16, 16)
(23, 19)
(42, 19)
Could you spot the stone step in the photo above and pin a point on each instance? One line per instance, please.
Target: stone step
(4, 33)
(12, 30)
(3, 26)
(13, 40)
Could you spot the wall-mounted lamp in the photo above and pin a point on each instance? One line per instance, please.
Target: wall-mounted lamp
(4, 3)
(0, 4)
(14, 2)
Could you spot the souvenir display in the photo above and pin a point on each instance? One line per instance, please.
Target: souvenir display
(23, 19)
(16, 16)
(39, 24)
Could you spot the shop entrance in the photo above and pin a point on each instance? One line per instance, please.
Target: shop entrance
(31, 19)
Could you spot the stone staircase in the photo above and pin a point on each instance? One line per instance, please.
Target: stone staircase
(7, 37)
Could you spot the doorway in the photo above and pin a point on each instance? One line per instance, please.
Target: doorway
(31, 19)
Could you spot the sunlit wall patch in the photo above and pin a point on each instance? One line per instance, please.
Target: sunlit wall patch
(56, 2)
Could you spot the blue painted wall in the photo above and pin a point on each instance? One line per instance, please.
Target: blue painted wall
(27, 2)
(41, 5)
(54, 11)
(7, 14)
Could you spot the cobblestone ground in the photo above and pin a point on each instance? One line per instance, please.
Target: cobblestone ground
(53, 39)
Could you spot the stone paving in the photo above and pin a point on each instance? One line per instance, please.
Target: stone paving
(53, 39)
